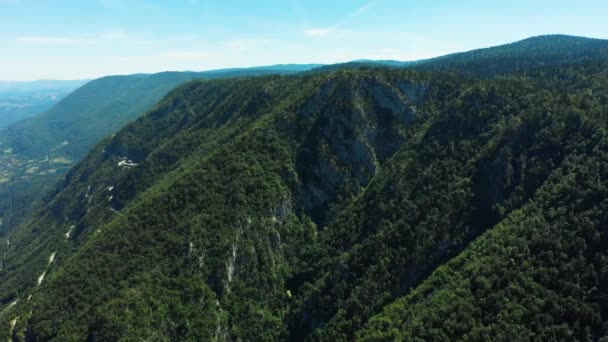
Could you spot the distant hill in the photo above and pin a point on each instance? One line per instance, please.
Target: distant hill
(35, 152)
(20, 100)
(524, 55)
(106, 104)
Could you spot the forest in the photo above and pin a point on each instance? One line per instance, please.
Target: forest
(459, 198)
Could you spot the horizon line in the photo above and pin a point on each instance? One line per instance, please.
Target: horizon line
(232, 68)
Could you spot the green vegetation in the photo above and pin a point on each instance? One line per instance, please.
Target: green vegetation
(522, 56)
(366, 203)
(518, 57)
(56, 138)
(491, 154)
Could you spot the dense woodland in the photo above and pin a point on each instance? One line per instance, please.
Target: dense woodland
(462, 199)
(35, 153)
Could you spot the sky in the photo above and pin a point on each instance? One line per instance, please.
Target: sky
(84, 39)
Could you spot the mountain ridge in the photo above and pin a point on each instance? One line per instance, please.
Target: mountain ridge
(554, 45)
(325, 205)
(41, 149)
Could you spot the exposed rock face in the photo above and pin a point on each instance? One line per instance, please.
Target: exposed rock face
(320, 147)
(358, 124)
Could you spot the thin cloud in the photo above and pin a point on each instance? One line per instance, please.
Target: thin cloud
(168, 56)
(361, 10)
(327, 31)
(246, 44)
(184, 55)
(53, 40)
(61, 40)
(318, 32)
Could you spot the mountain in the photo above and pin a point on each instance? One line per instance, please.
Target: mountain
(240, 157)
(521, 56)
(498, 151)
(20, 100)
(36, 152)
(369, 204)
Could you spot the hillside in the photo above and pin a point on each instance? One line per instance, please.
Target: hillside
(36, 152)
(493, 152)
(370, 204)
(181, 141)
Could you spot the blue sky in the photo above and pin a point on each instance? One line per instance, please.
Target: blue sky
(73, 39)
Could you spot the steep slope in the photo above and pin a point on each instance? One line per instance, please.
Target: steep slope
(229, 162)
(478, 162)
(551, 254)
(322, 206)
(103, 106)
(552, 258)
(38, 151)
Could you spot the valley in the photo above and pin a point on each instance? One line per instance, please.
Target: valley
(20, 100)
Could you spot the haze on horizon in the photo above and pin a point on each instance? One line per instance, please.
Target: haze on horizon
(82, 40)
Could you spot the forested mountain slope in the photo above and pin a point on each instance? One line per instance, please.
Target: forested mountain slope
(372, 204)
(521, 56)
(36, 152)
(249, 160)
(486, 157)
(517, 57)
